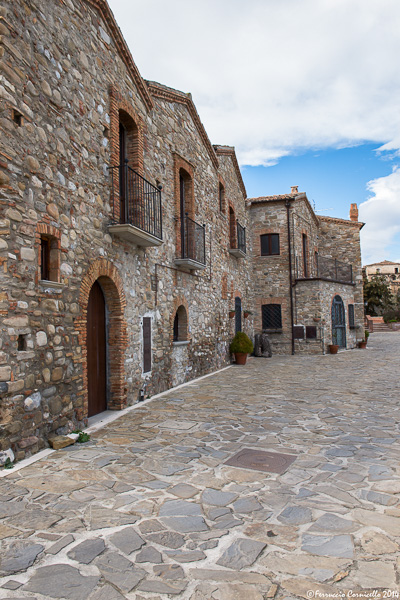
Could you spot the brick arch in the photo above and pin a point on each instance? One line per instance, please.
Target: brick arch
(232, 226)
(221, 195)
(178, 302)
(121, 109)
(106, 274)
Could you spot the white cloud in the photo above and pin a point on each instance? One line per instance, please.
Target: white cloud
(381, 213)
(269, 77)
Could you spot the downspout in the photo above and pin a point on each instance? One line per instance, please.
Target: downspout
(287, 203)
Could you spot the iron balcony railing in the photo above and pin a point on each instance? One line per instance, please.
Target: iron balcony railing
(241, 237)
(193, 240)
(326, 268)
(135, 201)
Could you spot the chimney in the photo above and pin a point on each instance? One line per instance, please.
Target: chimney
(353, 212)
(294, 189)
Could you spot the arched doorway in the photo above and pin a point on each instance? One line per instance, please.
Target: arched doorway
(106, 276)
(338, 322)
(96, 351)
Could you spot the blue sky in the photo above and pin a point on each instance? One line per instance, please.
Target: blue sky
(308, 93)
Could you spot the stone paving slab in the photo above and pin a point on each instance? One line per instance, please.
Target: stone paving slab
(148, 509)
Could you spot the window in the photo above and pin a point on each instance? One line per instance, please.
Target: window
(316, 262)
(180, 327)
(221, 197)
(396, 270)
(298, 332)
(146, 344)
(17, 118)
(305, 262)
(232, 228)
(49, 258)
(269, 244)
(351, 316)
(45, 258)
(271, 316)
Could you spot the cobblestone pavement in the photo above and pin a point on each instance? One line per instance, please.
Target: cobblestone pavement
(148, 509)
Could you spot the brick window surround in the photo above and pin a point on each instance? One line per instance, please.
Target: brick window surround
(179, 321)
(123, 114)
(269, 244)
(221, 196)
(106, 274)
(232, 227)
(183, 176)
(48, 243)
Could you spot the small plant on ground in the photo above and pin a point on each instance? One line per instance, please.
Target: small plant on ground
(83, 437)
(241, 344)
(8, 464)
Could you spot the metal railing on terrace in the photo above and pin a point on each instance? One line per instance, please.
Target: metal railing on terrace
(325, 268)
(193, 240)
(135, 201)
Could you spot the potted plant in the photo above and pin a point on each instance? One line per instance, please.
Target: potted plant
(366, 333)
(231, 314)
(363, 343)
(241, 346)
(333, 348)
(316, 318)
(247, 313)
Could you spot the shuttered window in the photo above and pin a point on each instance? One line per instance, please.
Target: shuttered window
(269, 244)
(146, 344)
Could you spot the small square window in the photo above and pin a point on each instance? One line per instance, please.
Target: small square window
(271, 316)
(311, 332)
(269, 244)
(17, 118)
(21, 342)
(298, 332)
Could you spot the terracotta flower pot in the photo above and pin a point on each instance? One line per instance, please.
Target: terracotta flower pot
(240, 358)
(231, 314)
(333, 348)
(362, 344)
(246, 314)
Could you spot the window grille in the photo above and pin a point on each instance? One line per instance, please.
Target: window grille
(271, 316)
(298, 332)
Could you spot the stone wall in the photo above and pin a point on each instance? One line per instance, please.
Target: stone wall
(67, 79)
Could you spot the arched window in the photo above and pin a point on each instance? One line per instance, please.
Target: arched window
(180, 327)
(221, 197)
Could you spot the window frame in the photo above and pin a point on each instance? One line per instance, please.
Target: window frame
(271, 307)
(269, 237)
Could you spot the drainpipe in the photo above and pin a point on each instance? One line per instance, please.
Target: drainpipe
(287, 203)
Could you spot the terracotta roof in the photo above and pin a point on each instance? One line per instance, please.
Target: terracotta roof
(230, 151)
(106, 14)
(383, 262)
(170, 95)
(342, 221)
(276, 198)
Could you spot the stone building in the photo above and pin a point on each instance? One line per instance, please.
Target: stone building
(387, 269)
(307, 269)
(123, 230)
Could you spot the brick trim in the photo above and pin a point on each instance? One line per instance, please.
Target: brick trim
(123, 50)
(232, 226)
(54, 234)
(179, 301)
(221, 205)
(181, 163)
(171, 95)
(106, 273)
(230, 151)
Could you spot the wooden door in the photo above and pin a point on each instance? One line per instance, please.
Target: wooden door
(96, 351)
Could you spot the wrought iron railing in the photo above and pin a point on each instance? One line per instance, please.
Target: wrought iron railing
(135, 201)
(325, 268)
(330, 268)
(193, 240)
(241, 237)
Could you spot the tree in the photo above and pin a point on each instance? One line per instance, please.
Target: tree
(377, 296)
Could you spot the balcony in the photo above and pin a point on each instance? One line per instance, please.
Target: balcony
(328, 269)
(193, 249)
(240, 251)
(136, 207)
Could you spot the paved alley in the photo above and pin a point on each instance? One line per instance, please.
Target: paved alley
(150, 509)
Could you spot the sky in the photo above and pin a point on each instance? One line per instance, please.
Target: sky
(308, 93)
